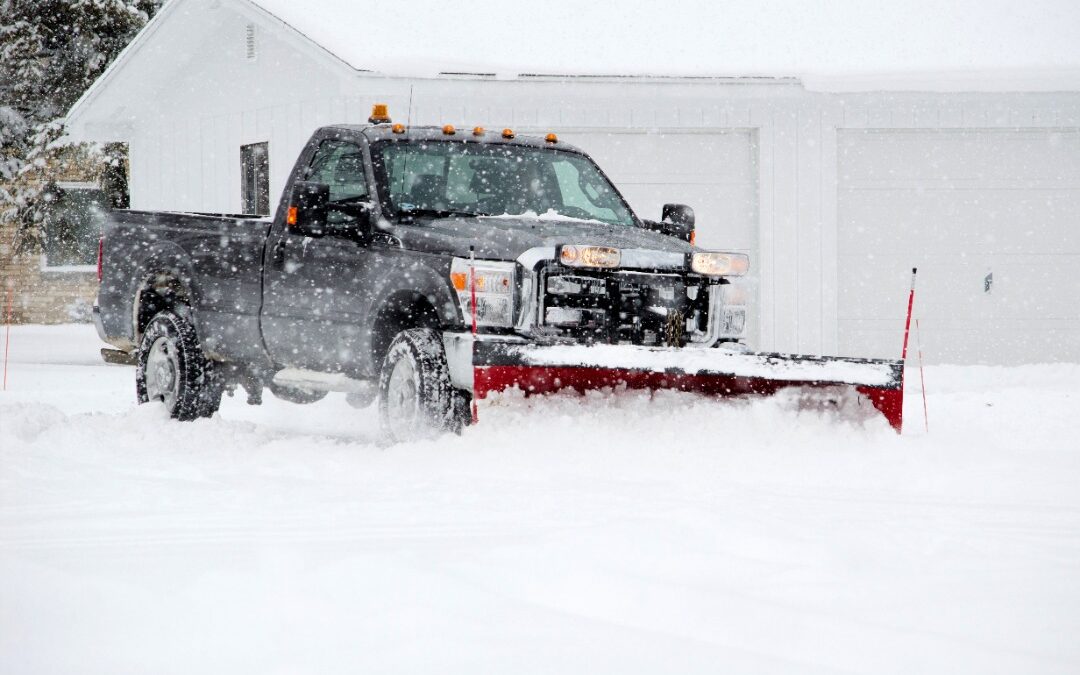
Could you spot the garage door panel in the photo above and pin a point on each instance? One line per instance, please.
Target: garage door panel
(726, 156)
(948, 157)
(875, 287)
(1042, 342)
(961, 205)
(974, 221)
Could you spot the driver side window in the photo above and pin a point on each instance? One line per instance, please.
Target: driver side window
(341, 166)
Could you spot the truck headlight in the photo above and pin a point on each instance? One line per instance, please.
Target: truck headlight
(589, 256)
(717, 264)
(494, 282)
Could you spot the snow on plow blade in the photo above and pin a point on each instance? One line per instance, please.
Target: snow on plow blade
(545, 369)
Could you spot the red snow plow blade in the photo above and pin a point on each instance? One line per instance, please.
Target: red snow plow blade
(535, 369)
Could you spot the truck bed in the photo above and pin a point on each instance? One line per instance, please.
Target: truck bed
(215, 258)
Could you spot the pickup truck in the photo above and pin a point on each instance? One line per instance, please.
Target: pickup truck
(388, 246)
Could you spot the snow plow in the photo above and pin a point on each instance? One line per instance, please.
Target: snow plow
(500, 366)
(728, 371)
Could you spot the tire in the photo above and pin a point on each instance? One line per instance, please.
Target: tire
(173, 369)
(296, 394)
(416, 397)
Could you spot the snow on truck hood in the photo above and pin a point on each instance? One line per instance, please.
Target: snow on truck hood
(507, 237)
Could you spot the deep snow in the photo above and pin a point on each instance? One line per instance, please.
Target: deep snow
(610, 534)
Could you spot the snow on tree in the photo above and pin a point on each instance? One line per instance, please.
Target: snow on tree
(50, 53)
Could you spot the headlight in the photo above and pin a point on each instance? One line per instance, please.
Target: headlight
(715, 264)
(494, 282)
(589, 256)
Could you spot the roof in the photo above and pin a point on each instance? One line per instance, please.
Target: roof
(829, 44)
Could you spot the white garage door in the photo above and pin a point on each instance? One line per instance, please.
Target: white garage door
(992, 220)
(714, 172)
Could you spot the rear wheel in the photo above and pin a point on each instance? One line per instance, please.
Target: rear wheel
(173, 369)
(416, 397)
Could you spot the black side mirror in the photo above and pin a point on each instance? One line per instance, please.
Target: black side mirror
(678, 221)
(308, 209)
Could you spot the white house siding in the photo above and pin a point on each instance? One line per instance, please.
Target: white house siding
(771, 164)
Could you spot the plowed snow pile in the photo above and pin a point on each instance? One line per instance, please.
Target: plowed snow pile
(608, 534)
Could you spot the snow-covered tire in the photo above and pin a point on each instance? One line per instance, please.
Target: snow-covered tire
(296, 394)
(173, 369)
(416, 397)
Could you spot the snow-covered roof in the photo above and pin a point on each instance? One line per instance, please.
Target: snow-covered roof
(829, 44)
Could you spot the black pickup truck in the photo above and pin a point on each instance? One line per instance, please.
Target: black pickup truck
(390, 243)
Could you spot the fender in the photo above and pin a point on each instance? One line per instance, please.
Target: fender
(427, 276)
(168, 259)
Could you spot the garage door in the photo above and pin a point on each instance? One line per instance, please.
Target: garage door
(992, 220)
(713, 172)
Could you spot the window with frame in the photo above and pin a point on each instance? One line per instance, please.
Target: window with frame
(340, 165)
(73, 215)
(255, 179)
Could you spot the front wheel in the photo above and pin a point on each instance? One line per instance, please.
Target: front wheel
(416, 397)
(173, 369)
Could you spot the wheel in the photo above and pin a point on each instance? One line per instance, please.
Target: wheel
(296, 394)
(416, 398)
(173, 369)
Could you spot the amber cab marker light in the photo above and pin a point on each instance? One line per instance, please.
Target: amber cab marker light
(693, 237)
(290, 219)
(551, 138)
(478, 131)
(508, 133)
(380, 114)
(398, 128)
(449, 129)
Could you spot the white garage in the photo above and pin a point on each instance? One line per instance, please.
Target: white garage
(836, 187)
(991, 217)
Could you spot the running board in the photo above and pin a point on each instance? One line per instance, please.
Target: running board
(118, 357)
(316, 381)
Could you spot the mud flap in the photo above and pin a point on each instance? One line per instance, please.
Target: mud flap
(714, 372)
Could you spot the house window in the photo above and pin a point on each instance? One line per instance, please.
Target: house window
(72, 219)
(255, 178)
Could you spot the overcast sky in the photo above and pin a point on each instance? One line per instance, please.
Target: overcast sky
(694, 37)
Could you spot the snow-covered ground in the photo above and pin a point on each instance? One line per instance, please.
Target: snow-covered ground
(610, 534)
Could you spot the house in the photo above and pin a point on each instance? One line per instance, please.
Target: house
(836, 182)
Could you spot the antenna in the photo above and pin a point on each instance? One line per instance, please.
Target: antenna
(405, 164)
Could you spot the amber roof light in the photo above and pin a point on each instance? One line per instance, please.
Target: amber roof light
(508, 133)
(551, 138)
(478, 131)
(380, 114)
(449, 129)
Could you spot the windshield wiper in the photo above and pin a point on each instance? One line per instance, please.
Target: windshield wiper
(408, 214)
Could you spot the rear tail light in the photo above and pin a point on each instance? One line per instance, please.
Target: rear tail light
(100, 257)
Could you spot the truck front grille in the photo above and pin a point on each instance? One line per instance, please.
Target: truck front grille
(623, 307)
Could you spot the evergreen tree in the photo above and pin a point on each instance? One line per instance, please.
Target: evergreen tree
(51, 51)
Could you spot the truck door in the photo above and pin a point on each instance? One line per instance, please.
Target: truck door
(314, 288)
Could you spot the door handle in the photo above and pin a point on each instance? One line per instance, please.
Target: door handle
(279, 253)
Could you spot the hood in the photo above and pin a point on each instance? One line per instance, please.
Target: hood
(505, 238)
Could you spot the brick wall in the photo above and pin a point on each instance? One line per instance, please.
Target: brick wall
(42, 295)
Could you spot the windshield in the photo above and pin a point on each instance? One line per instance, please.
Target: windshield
(446, 177)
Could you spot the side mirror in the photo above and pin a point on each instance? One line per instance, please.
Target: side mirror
(678, 221)
(308, 209)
